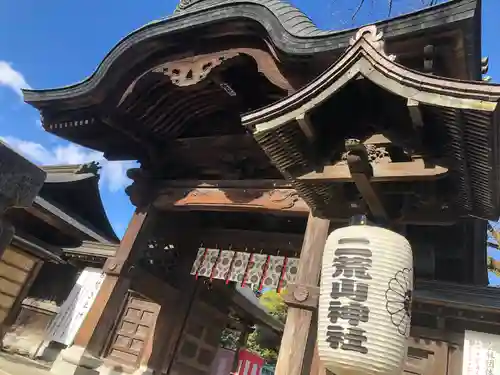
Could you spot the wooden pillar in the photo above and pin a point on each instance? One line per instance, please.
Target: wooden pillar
(190, 289)
(95, 328)
(94, 332)
(317, 367)
(292, 355)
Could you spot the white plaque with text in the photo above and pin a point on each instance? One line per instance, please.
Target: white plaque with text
(481, 354)
(65, 325)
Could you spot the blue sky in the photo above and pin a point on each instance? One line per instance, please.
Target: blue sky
(52, 43)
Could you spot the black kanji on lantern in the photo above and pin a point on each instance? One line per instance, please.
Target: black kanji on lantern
(353, 312)
(351, 289)
(351, 268)
(350, 339)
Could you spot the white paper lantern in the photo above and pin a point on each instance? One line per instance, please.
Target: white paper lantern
(365, 300)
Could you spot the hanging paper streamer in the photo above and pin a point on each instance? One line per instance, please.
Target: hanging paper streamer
(198, 261)
(273, 273)
(259, 270)
(208, 262)
(264, 273)
(239, 267)
(256, 269)
(223, 265)
(282, 282)
(292, 266)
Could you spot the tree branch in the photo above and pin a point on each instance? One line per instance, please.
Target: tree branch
(360, 5)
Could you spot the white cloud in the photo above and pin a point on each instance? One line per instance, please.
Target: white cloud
(113, 173)
(12, 79)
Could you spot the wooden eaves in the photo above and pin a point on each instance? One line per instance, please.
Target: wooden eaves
(475, 151)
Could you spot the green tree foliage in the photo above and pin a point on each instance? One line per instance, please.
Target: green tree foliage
(263, 341)
(270, 354)
(274, 303)
(229, 339)
(493, 266)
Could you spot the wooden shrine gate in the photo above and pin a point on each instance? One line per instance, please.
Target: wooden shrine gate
(250, 146)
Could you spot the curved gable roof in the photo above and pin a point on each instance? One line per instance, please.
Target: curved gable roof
(367, 58)
(468, 110)
(290, 31)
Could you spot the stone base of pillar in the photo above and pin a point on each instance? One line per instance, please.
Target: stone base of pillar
(143, 370)
(76, 361)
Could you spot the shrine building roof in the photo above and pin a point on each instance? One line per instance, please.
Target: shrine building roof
(62, 185)
(453, 124)
(175, 93)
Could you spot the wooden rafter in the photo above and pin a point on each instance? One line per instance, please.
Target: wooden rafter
(382, 172)
(415, 114)
(306, 126)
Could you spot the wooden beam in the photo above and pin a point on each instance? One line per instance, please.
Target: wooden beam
(252, 240)
(53, 221)
(232, 199)
(292, 355)
(61, 220)
(128, 126)
(415, 114)
(302, 296)
(384, 172)
(212, 140)
(362, 172)
(215, 199)
(152, 287)
(220, 184)
(306, 126)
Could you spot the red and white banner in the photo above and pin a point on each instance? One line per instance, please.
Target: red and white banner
(249, 363)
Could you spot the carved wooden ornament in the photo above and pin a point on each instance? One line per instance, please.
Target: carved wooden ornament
(370, 34)
(192, 70)
(277, 199)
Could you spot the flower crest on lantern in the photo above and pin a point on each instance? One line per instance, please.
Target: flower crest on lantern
(398, 300)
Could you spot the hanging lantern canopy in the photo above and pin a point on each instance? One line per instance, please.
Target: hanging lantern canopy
(365, 300)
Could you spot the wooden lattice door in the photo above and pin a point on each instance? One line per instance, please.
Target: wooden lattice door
(133, 330)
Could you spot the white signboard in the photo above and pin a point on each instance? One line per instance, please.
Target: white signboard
(481, 354)
(65, 325)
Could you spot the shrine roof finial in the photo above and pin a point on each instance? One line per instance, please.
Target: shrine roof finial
(374, 37)
(294, 20)
(184, 4)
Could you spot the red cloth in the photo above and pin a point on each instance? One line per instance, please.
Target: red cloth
(249, 363)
